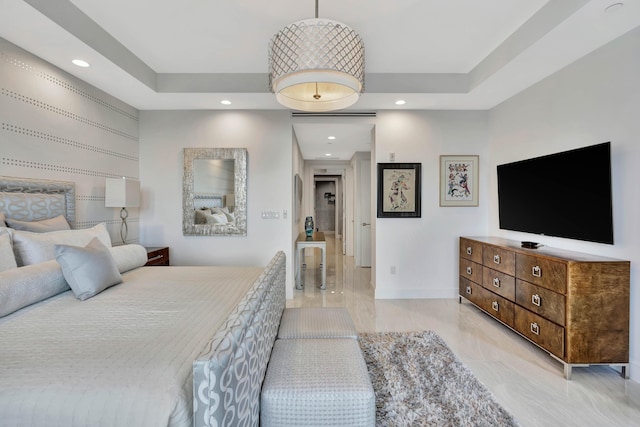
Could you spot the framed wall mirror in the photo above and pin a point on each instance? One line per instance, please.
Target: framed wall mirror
(214, 192)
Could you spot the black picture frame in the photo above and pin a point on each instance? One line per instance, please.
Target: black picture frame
(399, 190)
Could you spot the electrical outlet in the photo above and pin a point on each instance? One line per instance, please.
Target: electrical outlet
(284, 214)
(392, 157)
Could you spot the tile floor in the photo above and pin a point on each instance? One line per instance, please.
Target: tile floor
(524, 379)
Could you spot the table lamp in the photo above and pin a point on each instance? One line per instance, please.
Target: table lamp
(122, 193)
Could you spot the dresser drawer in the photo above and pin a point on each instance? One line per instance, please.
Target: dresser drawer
(469, 290)
(500, 283)
(499, 259)
(471, 270)
(542, 272)
(546, 334)
(544, 302)
(471, 250)
(493, 304)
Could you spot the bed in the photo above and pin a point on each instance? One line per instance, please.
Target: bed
(174, 346)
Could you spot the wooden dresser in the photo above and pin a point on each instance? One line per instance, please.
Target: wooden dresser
(573, 305)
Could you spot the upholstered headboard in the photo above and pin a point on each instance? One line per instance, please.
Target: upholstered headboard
(28, 199)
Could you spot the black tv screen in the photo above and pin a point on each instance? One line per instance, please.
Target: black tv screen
(565, 194)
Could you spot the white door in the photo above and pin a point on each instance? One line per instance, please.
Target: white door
(363, 224)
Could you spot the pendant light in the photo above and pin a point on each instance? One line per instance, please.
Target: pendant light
(316, 65)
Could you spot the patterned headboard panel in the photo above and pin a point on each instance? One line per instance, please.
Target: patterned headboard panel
(28, 199)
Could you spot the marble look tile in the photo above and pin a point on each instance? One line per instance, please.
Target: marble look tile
(524, 379)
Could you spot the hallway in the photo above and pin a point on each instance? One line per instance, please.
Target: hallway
(524, 379)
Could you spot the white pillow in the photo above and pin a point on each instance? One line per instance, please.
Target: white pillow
(230, 216)
(28, 285)
(88, 270)
(7, 259)
(216, 218)
(128, 257)
(33, 248)
(44, 226)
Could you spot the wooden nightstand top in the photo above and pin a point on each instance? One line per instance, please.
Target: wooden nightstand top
(157, 255)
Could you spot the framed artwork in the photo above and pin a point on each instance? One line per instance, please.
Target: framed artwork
(297, 203)
(459, 180)
(399, 190)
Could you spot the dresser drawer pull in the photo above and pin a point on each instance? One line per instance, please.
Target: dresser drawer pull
(469, 250)
(496, 259)
(495, 306)
(536, 271)
(535, 299)
(535, 328)
(496, 282)
(468, 290)
(469, 271)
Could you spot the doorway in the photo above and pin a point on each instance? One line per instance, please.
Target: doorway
(328, 204)
(339, 149)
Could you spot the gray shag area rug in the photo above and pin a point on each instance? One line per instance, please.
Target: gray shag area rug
(419, 381)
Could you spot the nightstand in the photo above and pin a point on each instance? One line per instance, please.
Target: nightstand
(158, 255)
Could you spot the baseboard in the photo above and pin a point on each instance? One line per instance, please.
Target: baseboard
(395, 293)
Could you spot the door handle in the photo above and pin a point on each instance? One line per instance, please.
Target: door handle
(364, 224)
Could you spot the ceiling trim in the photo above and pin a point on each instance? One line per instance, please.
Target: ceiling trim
(76, 22)
(543, 22)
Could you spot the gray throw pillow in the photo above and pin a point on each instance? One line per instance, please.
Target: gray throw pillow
(7, 259)
(58, 223)
(201, 216)
(89, 270)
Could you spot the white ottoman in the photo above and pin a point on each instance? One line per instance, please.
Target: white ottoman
(317, 382)
(316, 322)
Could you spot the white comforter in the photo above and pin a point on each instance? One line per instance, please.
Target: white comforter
(122, 358)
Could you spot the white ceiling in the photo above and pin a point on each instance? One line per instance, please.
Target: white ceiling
(435, 54)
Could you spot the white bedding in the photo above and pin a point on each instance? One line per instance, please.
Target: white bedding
(121, 358)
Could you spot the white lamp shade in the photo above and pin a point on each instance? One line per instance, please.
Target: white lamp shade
(122, 193)
(316, 65)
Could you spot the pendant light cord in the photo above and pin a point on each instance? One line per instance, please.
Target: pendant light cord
(317, 95)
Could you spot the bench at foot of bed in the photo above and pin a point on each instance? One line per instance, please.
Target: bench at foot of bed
(320, 382)
(316, 322)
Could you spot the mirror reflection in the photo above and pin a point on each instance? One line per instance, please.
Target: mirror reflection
(214, 191)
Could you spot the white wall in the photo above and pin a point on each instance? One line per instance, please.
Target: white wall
(55, 126)
(267, 136)
(594, 100)
(424, 250)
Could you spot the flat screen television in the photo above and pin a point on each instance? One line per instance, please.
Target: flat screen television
(565, 194)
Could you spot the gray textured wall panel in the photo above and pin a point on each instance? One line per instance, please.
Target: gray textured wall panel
(55, 126)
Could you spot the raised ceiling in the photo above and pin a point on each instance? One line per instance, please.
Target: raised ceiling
(434, 54)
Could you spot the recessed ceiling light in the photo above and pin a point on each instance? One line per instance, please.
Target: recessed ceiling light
(328, 154)
(613, 7)
(331, 137)
(225, 102)
(80, 63)
(401, 102)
